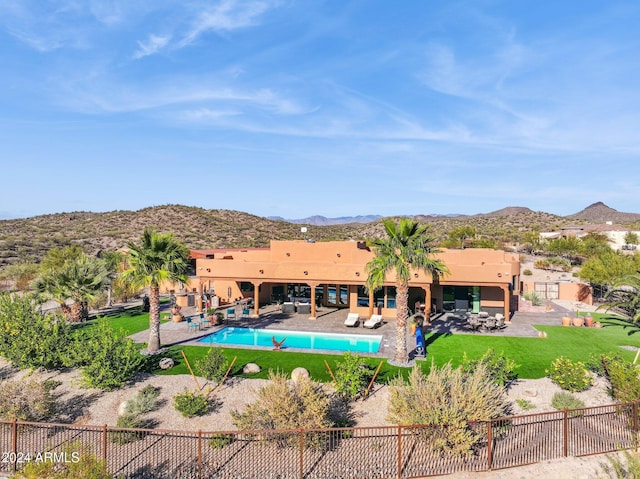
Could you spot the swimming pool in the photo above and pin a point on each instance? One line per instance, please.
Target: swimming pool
(368, 343)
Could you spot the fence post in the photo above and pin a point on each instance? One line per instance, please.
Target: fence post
(301, 453)
(634, 411)
(14, 442)
(489, 444)
(399, 452)
(566, 433)
(104, 444)
(199, 453)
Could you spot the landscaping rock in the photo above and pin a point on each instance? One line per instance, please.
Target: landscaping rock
(122, 408)
(166, 363)
(530, 393)
(298, 374)
(251, 368)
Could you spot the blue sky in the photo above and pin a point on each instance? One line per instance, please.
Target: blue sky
(338, 108)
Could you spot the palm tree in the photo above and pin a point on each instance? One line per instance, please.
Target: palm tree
(157, 259)
(79, 279)
(624, 298)
(408, 247)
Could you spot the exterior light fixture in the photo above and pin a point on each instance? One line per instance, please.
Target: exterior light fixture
(338, 255)
(415, 275)
(288, 254)
(357, 273)
(261, 271)
(306, 272)
(208, 270)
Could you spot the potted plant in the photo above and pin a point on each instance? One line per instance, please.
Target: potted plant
(566, 320)
(578, 321)
(588, 321)
(219, 318)
(176, 315)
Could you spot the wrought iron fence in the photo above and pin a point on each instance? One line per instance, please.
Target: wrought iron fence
(349, 453)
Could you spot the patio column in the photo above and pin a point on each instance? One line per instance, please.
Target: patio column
(256, 299)
(312, 298)
(507, 303)
(371, 305)
(427, 303)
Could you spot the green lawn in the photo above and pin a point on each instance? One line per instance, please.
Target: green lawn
(534, 355)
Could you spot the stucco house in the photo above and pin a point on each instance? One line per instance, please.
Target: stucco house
(333, 274)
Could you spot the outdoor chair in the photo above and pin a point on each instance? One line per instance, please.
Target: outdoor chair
(373, 322)
(352, 320)
(500, 321)
(490, 324)
(246, 312)
(204, 321)
(474, 323)
(231, 313)
(191, 324)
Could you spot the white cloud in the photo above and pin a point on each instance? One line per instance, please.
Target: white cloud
(153, 44)
(227, 15)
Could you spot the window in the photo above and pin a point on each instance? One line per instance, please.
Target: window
(391, 296)
(363, 296)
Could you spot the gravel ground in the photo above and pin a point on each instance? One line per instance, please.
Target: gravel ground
(87, 406)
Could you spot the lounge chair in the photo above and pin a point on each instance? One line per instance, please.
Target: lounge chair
(191, 324)
(352, 319)
(373, 322)
(231, 313)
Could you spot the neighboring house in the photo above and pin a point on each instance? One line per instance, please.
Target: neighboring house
(333, 274)
(615, 234)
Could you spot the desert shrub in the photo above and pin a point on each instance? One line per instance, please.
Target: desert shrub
(525, 404)
(82, 464)
(565, 400)
(535, 299)
(290, 405)
(499, 368)
(213, 366)
(623, 378)
(29, 338)
(130, 421)
(25, 399)
(570, 375)
(144, 402)
(626, 467)
(448, 398)
(220, 440)
(527, 272)
(106, 357)
(351, 376)
(191, 404)
(595, 363)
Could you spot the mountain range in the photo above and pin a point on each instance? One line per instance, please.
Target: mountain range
(29, 239)
(594, 213)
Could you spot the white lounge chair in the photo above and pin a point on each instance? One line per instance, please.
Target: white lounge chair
(352, 319)
(374, 321)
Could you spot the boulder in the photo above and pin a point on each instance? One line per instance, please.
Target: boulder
(166, 363)
(299, 374)
(251, 368)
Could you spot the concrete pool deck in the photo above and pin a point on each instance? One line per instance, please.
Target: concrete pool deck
(331, 320)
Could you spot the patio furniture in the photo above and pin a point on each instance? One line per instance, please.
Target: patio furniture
(373, 322)
(204, 321)
(246, 312)
(474, 323)
(483, 315)
(352, 320)
(304, 308)
(231, 313)
(500, 324)
(288, 308)
(191, 324)
(490, 324)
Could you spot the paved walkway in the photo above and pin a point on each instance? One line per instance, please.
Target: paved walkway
(331, 320)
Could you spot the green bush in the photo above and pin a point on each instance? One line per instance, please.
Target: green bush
(527, 272)
(213, 366)
(595, 362)
(351, 377)
(83, 464)
(191, 404)
(129, 421)
(534, 297)
(626, 467)
(525, 404)
(447, 398)
(220, 440)
(29, 338)
(26, 399)
(569, 375)
(564, 400)
(144, 402)
(107, 358)
(624, 380)
(499, 368)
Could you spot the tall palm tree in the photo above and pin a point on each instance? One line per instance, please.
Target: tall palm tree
(158, 258)
(79, 280)
(407, 248)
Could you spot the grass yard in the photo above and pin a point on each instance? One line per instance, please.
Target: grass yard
(533, 355)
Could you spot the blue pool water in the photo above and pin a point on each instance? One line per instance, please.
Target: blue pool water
(295, 339)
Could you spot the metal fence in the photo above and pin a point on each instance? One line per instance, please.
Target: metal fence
(345, 453)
